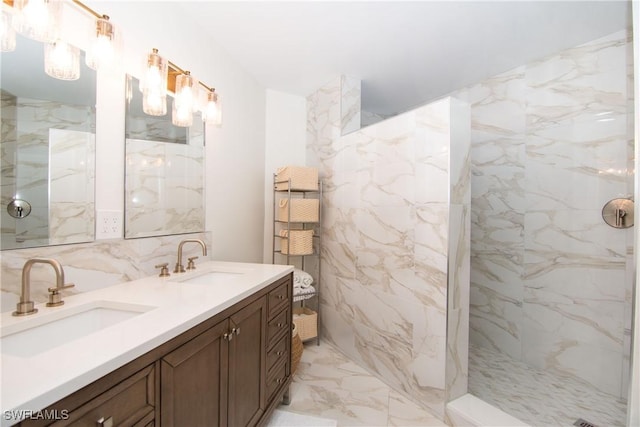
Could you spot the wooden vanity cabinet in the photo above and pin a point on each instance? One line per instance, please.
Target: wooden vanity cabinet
(231, 370)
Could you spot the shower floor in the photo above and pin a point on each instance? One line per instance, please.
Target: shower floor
(537, 397)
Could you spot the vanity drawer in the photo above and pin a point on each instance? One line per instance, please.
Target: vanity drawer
(279, 352)
(129, 403)
(276, 379)
(277, 327)
(279, 298)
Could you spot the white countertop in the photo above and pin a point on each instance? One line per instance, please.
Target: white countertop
(33, 383)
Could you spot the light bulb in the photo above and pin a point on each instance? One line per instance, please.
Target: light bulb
(37, 19)
(62, 61)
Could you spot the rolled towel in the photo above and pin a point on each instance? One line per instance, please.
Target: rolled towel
(301, 278)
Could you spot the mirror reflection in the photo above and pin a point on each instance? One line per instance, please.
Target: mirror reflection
(164, 171)
(47, 152)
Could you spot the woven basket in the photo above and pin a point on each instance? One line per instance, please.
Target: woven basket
(306, 321)
(296, 349)
(302, 210)
(298, 242)
(302, 178)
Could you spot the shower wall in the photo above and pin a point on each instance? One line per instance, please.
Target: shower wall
(395, 254)
(552, 142)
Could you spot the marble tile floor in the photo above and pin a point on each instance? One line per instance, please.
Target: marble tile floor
(536, 397)
(329, 385)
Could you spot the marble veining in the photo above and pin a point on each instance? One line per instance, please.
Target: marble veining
(539, 397)
(392, 234)
(94, 265)
(551, 143)
(43, 142)
(164, 188)
(330, 385)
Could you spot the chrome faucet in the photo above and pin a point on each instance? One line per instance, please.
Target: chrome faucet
(179, 268)
(25, 306)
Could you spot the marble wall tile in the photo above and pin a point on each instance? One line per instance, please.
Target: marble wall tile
(39, 136)
(579, 84)
(165, 188)
(550, 145)
(71, 186)
(350, 104)
(386, 242)
(94, 265)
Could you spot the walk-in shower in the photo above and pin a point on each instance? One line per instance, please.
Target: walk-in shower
(551, 281)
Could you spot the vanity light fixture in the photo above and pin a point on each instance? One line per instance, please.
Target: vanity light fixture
(37, 19)
(7, 32)
(62, 60)
(185, 100)
(154, 85)
(40, 20)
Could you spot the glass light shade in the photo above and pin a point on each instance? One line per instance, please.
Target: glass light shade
(61, 60)
(7, 32)
(185, 101)
(154, 85)
(37, 19)
(212, 111)
(106, 45)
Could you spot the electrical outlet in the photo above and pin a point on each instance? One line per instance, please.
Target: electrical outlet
(108, 224)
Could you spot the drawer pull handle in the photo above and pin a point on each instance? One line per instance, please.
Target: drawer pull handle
(237, 331)
(279, 353)
(280, 324)
(102, 422)
(280, 296)
(227, 336)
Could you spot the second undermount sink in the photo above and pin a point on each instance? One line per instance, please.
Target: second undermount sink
(45, 332)
(213, 277)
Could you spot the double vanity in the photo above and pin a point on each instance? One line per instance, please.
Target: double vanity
(207, 347)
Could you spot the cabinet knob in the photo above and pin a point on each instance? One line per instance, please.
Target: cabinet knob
(235, 331)
(227, 336)
(280, 325)
(279, 353)
(280, 296)
(102, 422)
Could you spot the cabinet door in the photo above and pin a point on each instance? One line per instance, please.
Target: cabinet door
(194, 381)
(247, 364)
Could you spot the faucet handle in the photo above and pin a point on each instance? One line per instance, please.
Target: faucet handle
(66, 286)
(191, 265)
(55, 299)
(164, 269)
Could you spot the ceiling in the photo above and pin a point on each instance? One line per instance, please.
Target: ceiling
(405, 53)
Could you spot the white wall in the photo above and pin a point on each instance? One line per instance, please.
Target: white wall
(286, 118)
(235, 151)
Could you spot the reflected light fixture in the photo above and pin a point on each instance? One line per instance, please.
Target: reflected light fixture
(62, 60)
(154, 85)
(162, 76)
(212, 110)
(37, 19)
(7, 32)
(105, 46)
(184, 102)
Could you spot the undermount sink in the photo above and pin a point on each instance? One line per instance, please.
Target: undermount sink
(212, 277)
(44, 332)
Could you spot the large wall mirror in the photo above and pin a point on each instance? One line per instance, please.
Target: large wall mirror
(47, 152)
(164, 182)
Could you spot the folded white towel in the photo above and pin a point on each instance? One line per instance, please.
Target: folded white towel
(301, 279)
